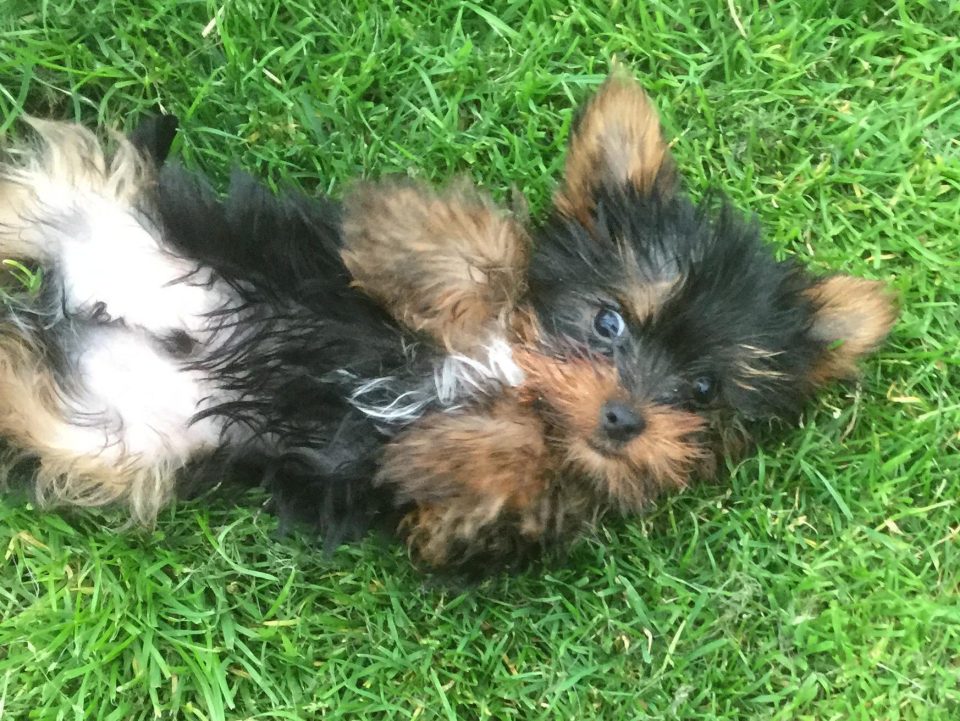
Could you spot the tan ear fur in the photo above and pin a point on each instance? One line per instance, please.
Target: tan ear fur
(853, 315)
(451, 264)
(617, 140)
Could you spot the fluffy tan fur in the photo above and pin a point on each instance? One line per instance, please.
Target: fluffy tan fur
(451, 265)
(493, 457)
(467, 473)
(534, 465)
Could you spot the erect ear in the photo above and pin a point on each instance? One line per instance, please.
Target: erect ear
(616, 140)
(451, 264)
(853, 316)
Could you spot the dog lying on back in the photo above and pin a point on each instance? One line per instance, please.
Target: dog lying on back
(178, 337)
(484, 400)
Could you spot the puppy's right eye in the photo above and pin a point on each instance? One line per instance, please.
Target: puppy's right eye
(609, 324)
(705, 389)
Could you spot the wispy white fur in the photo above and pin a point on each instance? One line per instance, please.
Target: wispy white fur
(378, 399)
(461, 376)
(457, 379)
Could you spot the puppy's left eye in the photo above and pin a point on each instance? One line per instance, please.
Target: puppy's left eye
(609, 324)
(705, 389)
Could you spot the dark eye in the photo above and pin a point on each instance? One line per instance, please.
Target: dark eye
(609, 324)
(705, 389)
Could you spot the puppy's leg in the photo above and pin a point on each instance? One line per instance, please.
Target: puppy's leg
(451, 265)
(480, 483)
(66, 202)
(114, 431)
(92, 375)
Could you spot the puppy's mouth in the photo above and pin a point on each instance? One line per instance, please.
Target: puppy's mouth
(631, 472)
(606, 448)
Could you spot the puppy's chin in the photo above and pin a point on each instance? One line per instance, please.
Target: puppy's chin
(631, 475)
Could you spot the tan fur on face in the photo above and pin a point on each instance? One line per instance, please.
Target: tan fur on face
(643, 300)
(451, 265)
(617, 140)
(855, 313)
(573, 392)
(659, 459)
(575, 389)
(32, 415)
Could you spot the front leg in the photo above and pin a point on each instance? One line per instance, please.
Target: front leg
(480, 482)
(451, 265)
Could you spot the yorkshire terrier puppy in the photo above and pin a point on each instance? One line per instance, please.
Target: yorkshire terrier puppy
(411, 359)
(647, 332)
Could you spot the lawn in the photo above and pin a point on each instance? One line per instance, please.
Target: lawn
(818, 580)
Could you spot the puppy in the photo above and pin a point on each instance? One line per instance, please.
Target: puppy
(485, 401)
(649, 332)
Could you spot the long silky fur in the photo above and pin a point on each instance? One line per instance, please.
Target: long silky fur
(322, 376)
(306, 348)
(243, 300)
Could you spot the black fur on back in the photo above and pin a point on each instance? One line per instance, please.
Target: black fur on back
(295, 350)
(288, 244)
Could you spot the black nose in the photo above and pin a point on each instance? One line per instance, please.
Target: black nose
(620, 422)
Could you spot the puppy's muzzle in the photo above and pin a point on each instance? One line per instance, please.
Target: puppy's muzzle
(620, 423)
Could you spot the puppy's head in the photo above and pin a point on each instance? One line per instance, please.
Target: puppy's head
(656, 318)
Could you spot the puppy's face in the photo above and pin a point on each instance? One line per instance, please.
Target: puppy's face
(628, 445)
(652, 318)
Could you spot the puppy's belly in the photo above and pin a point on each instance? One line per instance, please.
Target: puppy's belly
(136, 402)
(111, 257)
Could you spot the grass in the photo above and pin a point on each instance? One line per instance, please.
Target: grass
(818, 581)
